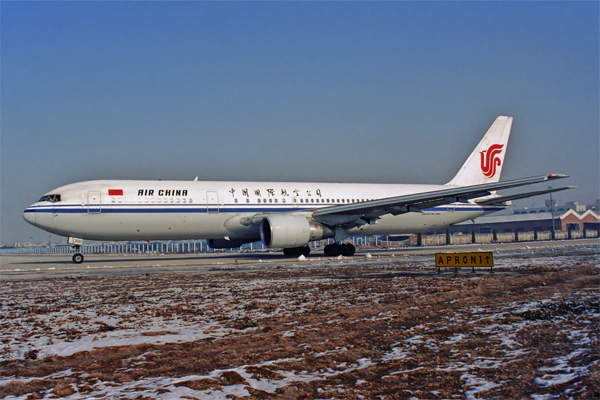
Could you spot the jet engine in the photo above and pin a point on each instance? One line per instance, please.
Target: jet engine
(289, 231)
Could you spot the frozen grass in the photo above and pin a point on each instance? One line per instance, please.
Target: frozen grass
(349, 331)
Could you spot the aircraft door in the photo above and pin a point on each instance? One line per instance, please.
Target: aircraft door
(212, 202)
(94, 202)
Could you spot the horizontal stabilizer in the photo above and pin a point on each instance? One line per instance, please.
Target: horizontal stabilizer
(502, 199)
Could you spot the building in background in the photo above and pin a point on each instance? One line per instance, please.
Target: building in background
(533, 222)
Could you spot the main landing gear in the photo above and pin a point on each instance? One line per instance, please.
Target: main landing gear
(331, 250)
(77, 257)
(297, 251)
(337, 249)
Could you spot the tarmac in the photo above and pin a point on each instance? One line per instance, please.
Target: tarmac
(32, 267)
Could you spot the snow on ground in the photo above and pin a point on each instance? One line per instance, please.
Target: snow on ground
(353, 330)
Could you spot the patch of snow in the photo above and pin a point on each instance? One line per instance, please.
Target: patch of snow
(478, 385)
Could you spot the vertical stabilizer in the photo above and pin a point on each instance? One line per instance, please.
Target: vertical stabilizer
(484, 165)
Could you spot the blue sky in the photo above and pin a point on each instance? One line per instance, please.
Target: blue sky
(397, 92)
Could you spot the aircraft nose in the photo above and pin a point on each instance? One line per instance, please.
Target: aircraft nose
(29, 215)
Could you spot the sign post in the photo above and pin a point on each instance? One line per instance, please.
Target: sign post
(461, 260)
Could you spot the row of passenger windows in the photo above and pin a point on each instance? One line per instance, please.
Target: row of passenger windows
(190, 201)
(307, 201)
(140, 200)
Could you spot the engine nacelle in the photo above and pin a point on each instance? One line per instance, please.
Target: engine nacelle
(288, 231)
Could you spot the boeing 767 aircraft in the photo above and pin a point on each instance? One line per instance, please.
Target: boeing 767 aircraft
(285, 215)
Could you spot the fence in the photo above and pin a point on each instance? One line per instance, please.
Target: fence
(200, 246)
(501, 237)
(115, 248)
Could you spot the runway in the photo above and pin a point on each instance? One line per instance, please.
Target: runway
(27, 267)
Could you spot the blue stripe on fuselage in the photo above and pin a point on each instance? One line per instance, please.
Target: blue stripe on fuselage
(165, 209)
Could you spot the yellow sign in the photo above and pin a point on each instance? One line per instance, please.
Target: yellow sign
(459, 260)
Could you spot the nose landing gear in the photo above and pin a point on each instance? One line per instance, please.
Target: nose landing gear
(77, 257)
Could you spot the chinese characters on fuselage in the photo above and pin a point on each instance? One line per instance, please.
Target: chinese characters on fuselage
(273, 193)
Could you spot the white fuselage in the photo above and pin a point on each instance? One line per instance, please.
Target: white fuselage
(176, 210)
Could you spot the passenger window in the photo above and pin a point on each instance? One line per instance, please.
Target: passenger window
(301, 201)
(275, 200)
(283, 200)
(270, 200)
(235, 201)
(247, 200)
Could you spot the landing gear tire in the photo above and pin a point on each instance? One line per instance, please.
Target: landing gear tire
(334, 250)
(297, 251)
(348, 249)
(77, 258)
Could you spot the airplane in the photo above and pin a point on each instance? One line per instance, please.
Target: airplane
(284, 215)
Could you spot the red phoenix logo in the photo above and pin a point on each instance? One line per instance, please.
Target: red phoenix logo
(490, 160)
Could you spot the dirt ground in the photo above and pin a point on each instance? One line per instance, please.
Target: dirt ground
(530, 330)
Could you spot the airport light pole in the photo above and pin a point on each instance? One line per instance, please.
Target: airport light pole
(552, 213)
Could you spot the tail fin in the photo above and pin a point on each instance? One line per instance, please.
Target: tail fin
(484, 165)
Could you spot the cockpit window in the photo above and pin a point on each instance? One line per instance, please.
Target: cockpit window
(52, 198)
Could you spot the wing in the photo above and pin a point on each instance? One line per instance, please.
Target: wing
(369, 211)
